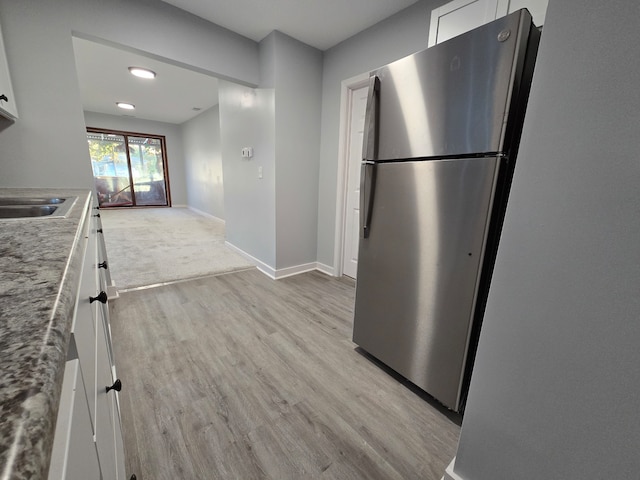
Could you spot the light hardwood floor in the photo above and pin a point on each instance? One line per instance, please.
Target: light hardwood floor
(241, 377)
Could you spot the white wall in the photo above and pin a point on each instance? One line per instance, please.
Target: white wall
(174, 144)
(47, 146)
(246, 120)
(556, 383)
(203, 162)
(400, 35)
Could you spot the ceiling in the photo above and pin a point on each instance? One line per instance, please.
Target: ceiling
(171, 97)
(319, 23)
(174, 94)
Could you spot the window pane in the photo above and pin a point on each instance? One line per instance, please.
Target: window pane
(110, 169)
(147, 170)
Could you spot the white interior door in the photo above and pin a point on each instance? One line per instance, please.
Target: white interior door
(357, 106)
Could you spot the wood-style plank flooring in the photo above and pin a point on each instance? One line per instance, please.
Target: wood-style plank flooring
(241, 377)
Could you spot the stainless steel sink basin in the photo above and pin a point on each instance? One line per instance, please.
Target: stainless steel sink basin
(26, 211)
(35, 207)
(31, 201)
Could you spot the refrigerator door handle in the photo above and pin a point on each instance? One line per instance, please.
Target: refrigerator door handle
(370, 137)
(367, 187)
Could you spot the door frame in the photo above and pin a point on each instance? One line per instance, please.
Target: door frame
(346, 92)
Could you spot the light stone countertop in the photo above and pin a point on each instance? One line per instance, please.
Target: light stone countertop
(40, 263)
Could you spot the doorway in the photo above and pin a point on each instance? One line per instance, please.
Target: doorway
(353, 101)
(129, 169)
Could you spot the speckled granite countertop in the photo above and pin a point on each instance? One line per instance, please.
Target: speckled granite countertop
(39, 275)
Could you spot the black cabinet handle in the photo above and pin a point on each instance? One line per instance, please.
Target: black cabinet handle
(4, 97)
(99, 230)
(117, 386)
(101, 297)
(97, 215)
(103, 265)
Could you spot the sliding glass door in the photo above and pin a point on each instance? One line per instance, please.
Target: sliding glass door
(129, 169)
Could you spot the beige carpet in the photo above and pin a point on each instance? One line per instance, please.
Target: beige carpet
(148, 246)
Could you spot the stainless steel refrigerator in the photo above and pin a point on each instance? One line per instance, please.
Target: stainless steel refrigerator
(442, 131)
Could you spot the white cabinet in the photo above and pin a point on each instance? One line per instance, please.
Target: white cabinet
(88, 441)
(74, 453)
(460, 16)
(537, 9)
(7, 100)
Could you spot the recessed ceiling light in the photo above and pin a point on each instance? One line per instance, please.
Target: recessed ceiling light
(142, 72)
(125, 105)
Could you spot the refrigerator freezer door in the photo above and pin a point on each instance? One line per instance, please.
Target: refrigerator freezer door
(419, 268)
(452, 99)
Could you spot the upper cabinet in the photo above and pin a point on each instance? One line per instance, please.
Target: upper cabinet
(460, 16)
(7, 100)
(537, 9)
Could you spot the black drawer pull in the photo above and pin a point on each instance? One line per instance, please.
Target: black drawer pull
(117, 386)
(99, 230)
(101, 297)
(103, 265)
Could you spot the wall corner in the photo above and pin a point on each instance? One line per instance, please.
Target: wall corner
(449, 474)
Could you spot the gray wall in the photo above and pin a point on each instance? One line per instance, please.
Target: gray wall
(398, 36)
(287, 108)
(47, 146)
(203, 162)
(246, 120)
(298, 87)
(556, 385)
(174, 143)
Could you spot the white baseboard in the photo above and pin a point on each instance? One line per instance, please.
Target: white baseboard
(449, 474)
(263, 267)
(204, 214)
(112, 292)
(295, 270)
(326, 269)
(277, 274)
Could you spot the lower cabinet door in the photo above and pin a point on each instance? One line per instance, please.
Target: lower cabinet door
(105, 440)
(83, 328)
(74, 453)
(117, 431)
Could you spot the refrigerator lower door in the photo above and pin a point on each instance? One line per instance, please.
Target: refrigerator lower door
(419, 267)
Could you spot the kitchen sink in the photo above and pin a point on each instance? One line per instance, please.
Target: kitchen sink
(31, 201)
(26, 211)
(35, 207)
